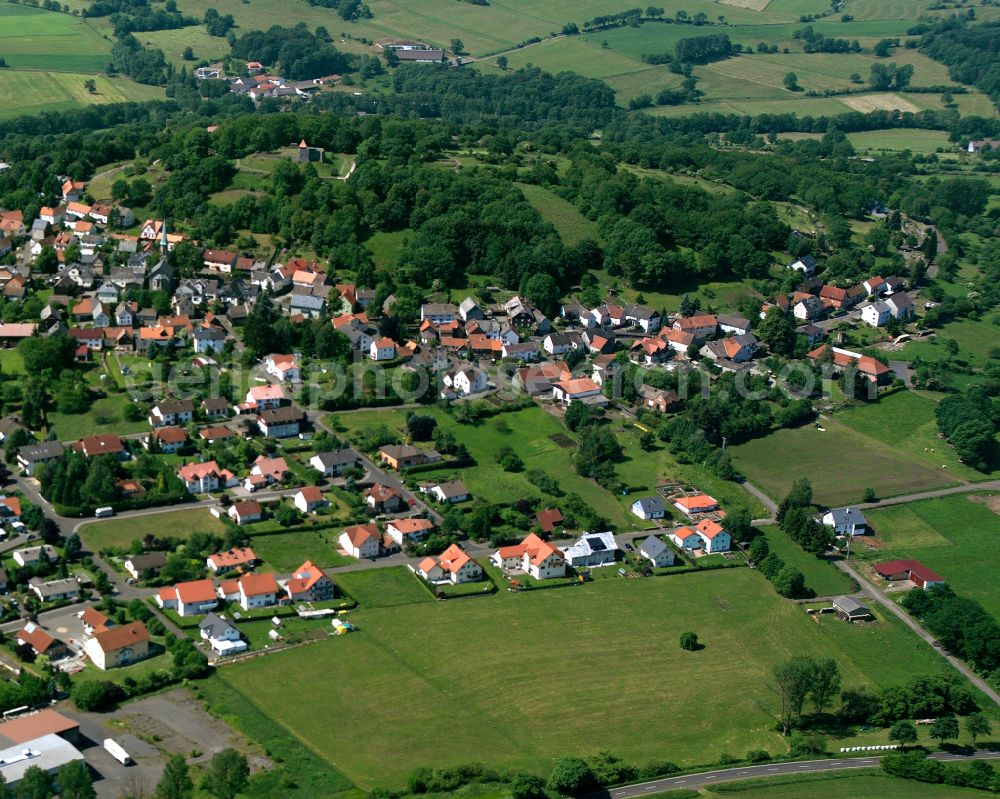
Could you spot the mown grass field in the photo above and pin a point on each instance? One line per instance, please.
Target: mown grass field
(122, 532)
(25, 91)
(841, 786)
(383, 587)
(956, 536)
(518, 680)
(841, 463)
(891, 446)
(173, 42)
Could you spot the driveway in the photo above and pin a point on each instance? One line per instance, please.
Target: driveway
(876, 593)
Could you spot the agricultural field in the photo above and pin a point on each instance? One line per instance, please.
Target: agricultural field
(955, 536)
(892, 446)
(49, 55)
(510, 663)
(122, 532)
(919, 141)
(34, 39)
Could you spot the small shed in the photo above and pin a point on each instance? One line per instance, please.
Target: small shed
(848, 609)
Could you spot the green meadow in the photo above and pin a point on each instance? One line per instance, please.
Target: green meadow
(516, 680)
(122, 532)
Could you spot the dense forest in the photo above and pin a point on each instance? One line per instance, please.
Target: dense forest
(969, 52)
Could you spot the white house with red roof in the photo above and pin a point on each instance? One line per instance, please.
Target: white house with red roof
(382, 349)
(200, 478)
(580, 389)
(408, 531)
(262, 398)
(191, 598)
(310, 583)
(268, 470)
(235, 558)
(258, 590)
(309, 499)
(453, 565)
(532, 556)
(283, 367)
(245, 512)
(361, 541)
(699, 327)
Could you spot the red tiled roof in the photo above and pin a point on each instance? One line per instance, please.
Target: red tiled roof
(117, 638)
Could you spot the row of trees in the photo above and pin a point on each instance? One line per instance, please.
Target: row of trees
(970, 422)
(962, 625)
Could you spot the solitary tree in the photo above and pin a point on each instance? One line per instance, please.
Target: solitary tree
(457, 47)
(903, 732)
(188, 54)
(502, 62)
(689, 641)
(791, 82)
(90, 85)
(977, 724)
(227, 774)
(944, 728)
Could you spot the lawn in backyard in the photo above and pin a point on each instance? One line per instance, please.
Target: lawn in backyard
(839, 461)
(106, 415)
(175, 523)
(956, 536)
(11, 362)
(284, 552)
(505, 666)
(383, 587)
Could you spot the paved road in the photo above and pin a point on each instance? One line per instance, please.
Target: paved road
(765, 500)
(965, 488)
(880, 596)
(700, 780)
(391, 479)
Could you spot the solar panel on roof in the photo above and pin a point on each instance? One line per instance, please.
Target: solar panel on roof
(596, 544)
